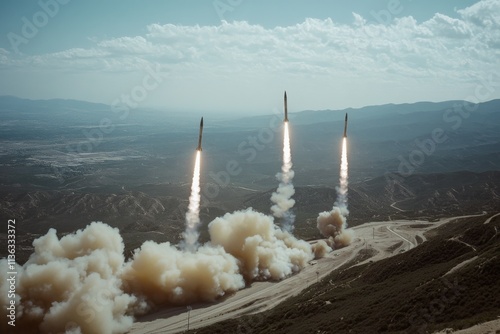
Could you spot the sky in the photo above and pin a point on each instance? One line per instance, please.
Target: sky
(238, 56)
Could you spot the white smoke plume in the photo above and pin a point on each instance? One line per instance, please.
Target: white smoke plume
(72, 284)
(193, 215)
(81, 282)
(333, 224)
(161, 274)
(264, 251)
(320, 249)
(282, 198)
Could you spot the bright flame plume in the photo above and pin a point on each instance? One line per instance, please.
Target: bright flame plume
(193, 215)
(282, 198)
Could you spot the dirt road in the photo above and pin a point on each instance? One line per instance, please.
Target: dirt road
(385, 239)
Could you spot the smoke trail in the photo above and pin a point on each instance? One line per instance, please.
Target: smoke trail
(342, 189)
(282, 198)
(193, 215)
(81, 282)
(333, 224)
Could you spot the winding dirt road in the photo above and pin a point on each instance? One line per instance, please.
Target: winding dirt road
(384, 238)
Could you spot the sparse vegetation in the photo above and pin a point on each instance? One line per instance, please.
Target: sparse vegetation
(403, 294)
(135, 179)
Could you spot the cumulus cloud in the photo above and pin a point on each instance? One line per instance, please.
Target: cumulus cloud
(485, 13)
(313, 45)
(448, 27)
(410, 58)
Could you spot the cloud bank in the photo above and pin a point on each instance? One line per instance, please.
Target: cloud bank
(443, 51)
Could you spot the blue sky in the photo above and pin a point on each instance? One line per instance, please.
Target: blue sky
(239, 55)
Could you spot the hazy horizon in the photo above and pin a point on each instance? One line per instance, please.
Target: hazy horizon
(239, 57)
(221, 115)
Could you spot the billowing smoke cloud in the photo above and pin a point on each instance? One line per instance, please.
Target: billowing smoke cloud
(72, 284)
(264, 251)
(320, 249)
(161, 274)
(333, 224)
(193, 215)
(282, 198)
(81, 282)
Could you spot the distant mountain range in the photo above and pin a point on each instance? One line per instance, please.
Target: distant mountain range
(57, 161)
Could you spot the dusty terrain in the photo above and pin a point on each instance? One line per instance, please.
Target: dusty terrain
(380, 239)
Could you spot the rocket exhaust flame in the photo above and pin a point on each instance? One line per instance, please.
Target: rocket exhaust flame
(343, 180)
(193, 215)
(287, 156)
(282, 198)
(83, 283)
(333, 224)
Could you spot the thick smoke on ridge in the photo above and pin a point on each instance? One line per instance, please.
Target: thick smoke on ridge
(264, 251)
(282, 197)
(320, 249)
(193, 215)
(333, 224)
(161, 274)
(81, 282)
(73, 284)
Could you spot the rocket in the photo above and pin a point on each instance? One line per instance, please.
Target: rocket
(201, 135)
(286, 110)
(345, 126)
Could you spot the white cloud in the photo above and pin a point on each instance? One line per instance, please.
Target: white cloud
(484, 13)
(4, 56)
(446, 27)
(441, 48)
(133, 45)
(316, 46)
